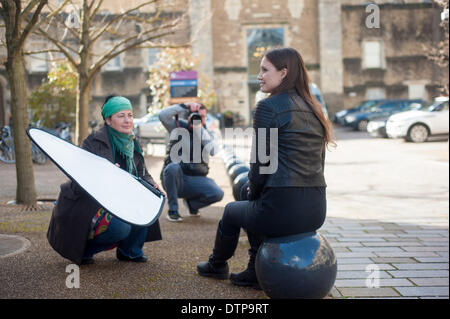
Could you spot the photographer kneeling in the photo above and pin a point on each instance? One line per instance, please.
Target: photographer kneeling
(186, 164)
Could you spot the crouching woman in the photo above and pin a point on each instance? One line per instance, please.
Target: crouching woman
(79, 226)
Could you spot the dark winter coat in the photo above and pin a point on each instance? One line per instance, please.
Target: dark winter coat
(300, 152)
(71, 219)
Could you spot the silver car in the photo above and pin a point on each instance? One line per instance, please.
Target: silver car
(150, 127)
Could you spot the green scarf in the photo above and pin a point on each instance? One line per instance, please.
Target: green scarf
(125, 144)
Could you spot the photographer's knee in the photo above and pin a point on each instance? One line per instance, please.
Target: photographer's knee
(172, 169)
(217, 196)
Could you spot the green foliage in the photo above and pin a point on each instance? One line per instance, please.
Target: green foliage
(173, 60)
(54, 100)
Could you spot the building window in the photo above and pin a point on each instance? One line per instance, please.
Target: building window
(373, 55)
(152, 55)
(375, 94)
(38, 62)
(114, 64)
(417, 90)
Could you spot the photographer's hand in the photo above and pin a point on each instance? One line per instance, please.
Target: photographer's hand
(193, 107)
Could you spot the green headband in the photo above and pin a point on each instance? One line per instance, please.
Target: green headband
(114, 105)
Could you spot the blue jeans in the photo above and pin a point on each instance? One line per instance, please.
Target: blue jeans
(130, 238)
(201, 191)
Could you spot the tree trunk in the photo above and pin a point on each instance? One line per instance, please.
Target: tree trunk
(84, 89)
(82, 109)
(26, 191)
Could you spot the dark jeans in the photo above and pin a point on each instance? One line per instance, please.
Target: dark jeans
(201, 191)
(130, 239)
(278, 212)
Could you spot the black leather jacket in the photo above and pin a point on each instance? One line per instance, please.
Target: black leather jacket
(301, 149)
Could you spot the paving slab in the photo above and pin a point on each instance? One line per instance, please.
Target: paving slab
(368, 292)
(430, 281)
(423, 291)
(418, 273)
(384, 282)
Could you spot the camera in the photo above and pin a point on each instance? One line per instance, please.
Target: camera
(194, 116)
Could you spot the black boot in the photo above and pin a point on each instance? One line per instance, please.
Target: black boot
(217, 266)
(247, 278)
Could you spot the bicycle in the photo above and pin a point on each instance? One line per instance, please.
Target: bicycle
(7, 154)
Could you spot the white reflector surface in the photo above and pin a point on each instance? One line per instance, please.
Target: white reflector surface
(115, 189)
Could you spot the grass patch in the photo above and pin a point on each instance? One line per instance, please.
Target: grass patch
(25, 222)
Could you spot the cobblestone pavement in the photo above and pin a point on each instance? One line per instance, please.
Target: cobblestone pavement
(387, 223)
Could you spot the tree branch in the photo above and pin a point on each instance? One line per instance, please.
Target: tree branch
(97, 8)
(40, 51)
(61, 46)
(32, 22)
(29, 7)
(54, 13)
(118, 17)
(111, 54)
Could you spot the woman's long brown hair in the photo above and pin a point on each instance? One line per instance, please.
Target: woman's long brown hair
(297, 78)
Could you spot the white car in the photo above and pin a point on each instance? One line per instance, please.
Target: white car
(417, 125)
(150, 127)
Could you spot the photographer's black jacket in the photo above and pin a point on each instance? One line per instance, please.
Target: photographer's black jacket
(200, 165)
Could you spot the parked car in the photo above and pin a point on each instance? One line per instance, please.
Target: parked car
(339, 117)
(417, 125)
(150, 127)
(318, 95)
(377, 126)
(359, 120)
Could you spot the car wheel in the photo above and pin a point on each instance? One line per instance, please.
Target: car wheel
(418, 133)
(362, 125)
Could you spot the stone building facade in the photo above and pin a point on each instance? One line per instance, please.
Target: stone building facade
(349, 58)
(391, 61)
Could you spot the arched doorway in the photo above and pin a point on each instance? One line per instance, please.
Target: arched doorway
(259, 40)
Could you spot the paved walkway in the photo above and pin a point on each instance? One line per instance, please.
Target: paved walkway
(390, 242)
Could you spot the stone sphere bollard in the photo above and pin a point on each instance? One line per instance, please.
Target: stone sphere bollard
(238, 183)
(233, 161)
(236, 170)
(228, 157)
(297, 266)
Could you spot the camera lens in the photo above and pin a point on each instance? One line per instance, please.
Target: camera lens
(194, 116)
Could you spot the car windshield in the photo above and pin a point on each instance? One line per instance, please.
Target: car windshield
(436, 106)
(414, 106)
(150, 117)
(368, 105)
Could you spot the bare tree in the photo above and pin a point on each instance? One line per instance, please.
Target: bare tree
(81, 33)
(19, 22)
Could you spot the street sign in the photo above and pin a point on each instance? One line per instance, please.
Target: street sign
(183, 87)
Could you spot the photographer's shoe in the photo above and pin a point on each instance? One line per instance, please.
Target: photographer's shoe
(192, 212)
(173, 216)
